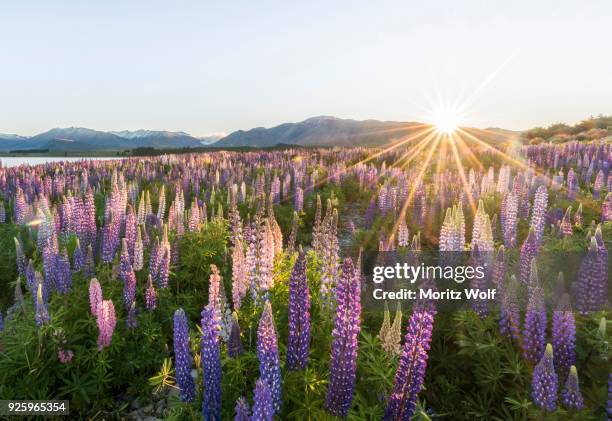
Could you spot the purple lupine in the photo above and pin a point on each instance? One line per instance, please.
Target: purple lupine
(129, 289)
(164, 268)
(42, 314)
(344, 347)
(571, 397)
(509, 314)
(63, 273)
(21, 259)
(132, 317)
(183, 361)
(234, 343)
(95, 295)
(298, 343)
(545, 383)
(538, 214)
(243, 412)
(106, 321)
(609, 406)
(534, 333)
(1, 321)
(591, 291)
(411, 370)
(563, 338)
(529, 251)
(211, 365)
(78, 257)
(89, 270)
(150, 295)
(263, 405)
(267, 352)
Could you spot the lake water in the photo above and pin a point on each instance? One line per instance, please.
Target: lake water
(13, 161)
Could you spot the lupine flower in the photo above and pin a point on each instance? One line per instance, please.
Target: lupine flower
(42, 314)
(1, 322)
(164, 268)
(138, 257)
(298, 343)
(132, 317)
(89, 269)
(21, 259)
(95, 295)
(609, 406)
(571, 398)
(267, 352)
(592, 286)
(63, 273)
(183, 361)
(566, 223)
(545, 383)
(509, 321)
(534, 333)
(563, 338)
(263, 404)
(243, 412)
(129, 289)
(64, 356)
(234, 343)
(540, 203)
(106, 321)
(150, 295)
(529, 251)
(211, 364)
(411, 370)
(78, 257)
(344, 347)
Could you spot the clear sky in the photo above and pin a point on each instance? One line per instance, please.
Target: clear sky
(206, 67)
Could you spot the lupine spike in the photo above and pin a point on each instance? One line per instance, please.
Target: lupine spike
(183, 361)
(545, 383)
(267, 352)
(571, 397)
(211, 365)
(298, 343)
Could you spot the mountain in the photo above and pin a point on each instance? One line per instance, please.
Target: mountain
(160, 139)
(332, 131)
(87, 140)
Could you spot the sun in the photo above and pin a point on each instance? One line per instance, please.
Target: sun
(447, 120)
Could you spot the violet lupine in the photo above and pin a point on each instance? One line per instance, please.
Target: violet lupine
(89, 269)
(1, 322)
(412, 366)
(164, 267)
(150, 295)
(42, 314)
(267, 352)
(78, 257)
(529, 251)
(564, 338)
(243, 411)
(234, 343)
(132, 317)
(129, 288)
(571, 397)
(538, 214)
(63, 273)
(509, 314)
(183, 361)
(263, 404)
(534, 332)
(95, 296)
(298, 343)
(609, 406)
(347, 324)
(545, 383)
(138, 257)
(211, 364)
(20, 257)
(591, 291)
(106, 321)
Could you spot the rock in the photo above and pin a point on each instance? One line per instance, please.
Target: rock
(151, 419)
(134, 415)
(135, 404)
(147, 409)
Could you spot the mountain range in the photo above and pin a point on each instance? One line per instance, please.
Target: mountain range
(316, 131)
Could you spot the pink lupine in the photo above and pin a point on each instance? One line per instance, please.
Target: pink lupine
(106, 321)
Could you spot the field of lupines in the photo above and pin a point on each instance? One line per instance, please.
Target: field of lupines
(227, 285)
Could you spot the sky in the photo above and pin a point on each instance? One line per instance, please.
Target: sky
(211, 67)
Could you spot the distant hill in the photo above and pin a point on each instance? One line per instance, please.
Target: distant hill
(322, 131)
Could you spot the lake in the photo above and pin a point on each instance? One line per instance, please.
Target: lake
(13, 161)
